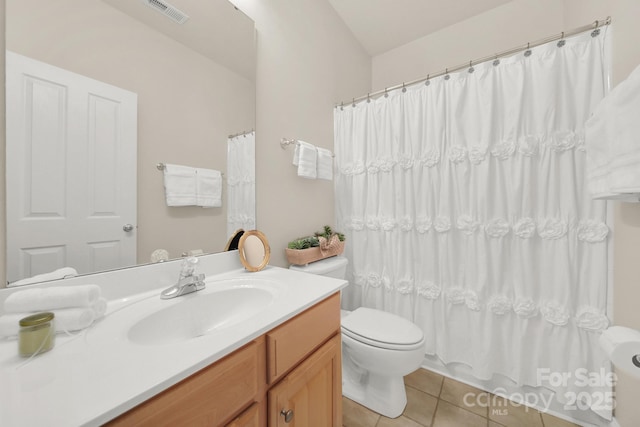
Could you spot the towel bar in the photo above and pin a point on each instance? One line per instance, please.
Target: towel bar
(161, 167)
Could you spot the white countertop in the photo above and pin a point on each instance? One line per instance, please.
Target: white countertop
(98, 374)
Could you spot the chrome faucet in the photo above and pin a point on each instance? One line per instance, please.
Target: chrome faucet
(187, 282)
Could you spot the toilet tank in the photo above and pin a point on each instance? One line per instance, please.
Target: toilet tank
(331, 267)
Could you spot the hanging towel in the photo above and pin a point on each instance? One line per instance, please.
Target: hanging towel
(180, 185)
(208, 188)
(306, 158)
(612, 139)
(46, 299)
(325, 164)
(60, 273)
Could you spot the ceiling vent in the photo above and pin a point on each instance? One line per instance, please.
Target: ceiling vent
(168, 10)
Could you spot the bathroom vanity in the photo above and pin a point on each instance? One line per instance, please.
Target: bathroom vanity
(291, 373)
(278, 360)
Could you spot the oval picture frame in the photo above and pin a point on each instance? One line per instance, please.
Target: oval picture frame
(254, 250)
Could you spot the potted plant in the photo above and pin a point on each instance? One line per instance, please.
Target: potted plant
(324, 244)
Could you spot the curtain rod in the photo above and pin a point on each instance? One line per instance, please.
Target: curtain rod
(593, 26)
(243, 133)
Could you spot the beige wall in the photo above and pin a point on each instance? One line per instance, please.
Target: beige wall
(307, 61)
(187, 104)
(515, 24)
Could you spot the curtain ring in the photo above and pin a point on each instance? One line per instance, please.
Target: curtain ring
(353, 104)
(471, 69)
(342, 106)
(562, 41)
(496, 61)
(446, 74)
(368, 98)
(527, 52)
(404, 89)
(386, 94)
(427, 82)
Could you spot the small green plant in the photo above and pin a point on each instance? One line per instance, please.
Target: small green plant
(314, 241)
(304, 243)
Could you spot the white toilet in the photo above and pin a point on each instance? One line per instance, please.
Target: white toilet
(378, 350)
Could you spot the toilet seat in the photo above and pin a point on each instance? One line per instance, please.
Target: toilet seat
(381, 329)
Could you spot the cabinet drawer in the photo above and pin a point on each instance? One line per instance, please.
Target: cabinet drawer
(208, 397)
(251, 417)
(292, 341)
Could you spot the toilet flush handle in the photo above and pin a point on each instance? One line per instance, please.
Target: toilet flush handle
(288, 415)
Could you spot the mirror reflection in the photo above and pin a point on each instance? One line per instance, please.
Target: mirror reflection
(193, 84)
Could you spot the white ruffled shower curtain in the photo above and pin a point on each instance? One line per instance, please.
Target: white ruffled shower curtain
(465, 208)
(241, 183)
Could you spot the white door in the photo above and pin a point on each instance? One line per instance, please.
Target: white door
(71, 171)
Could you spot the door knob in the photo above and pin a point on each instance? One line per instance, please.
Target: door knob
(128, 227)
(288, 415)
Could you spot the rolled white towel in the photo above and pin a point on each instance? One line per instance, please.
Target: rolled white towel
(65, 320)
(48, 299)
(61, 273)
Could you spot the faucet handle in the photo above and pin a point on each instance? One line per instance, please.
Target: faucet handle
(188, 266)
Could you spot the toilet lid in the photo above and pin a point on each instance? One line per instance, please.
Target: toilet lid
(381, 329)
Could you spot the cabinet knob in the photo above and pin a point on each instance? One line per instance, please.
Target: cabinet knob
(288, 415)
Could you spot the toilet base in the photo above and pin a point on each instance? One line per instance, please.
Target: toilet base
(382, 394)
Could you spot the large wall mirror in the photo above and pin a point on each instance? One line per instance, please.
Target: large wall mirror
(193, 85)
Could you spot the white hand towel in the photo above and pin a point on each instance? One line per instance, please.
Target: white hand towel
(65, 320)
(325, 164)
(296, 154)
(307, 160)
(180, 185)
(46, 299)
(612, 139)
(209, 188)
(60, 273)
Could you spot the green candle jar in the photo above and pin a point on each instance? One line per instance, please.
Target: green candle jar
(37, 334)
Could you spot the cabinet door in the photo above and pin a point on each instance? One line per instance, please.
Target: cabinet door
(311, 395)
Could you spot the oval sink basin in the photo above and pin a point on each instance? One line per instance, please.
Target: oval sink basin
(198, 314)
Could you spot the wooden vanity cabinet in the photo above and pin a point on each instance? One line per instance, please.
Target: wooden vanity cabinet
(217, 393)
(305, 370)
(291, 376)
(310, 396)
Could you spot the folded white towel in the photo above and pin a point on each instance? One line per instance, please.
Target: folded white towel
(612, 139)
(208, 188)
(65, 320)
(306, 158)
(47, 299)
(325, 164)
(180, 185)
(60, 273)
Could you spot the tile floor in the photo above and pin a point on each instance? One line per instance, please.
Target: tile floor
(437, 401)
